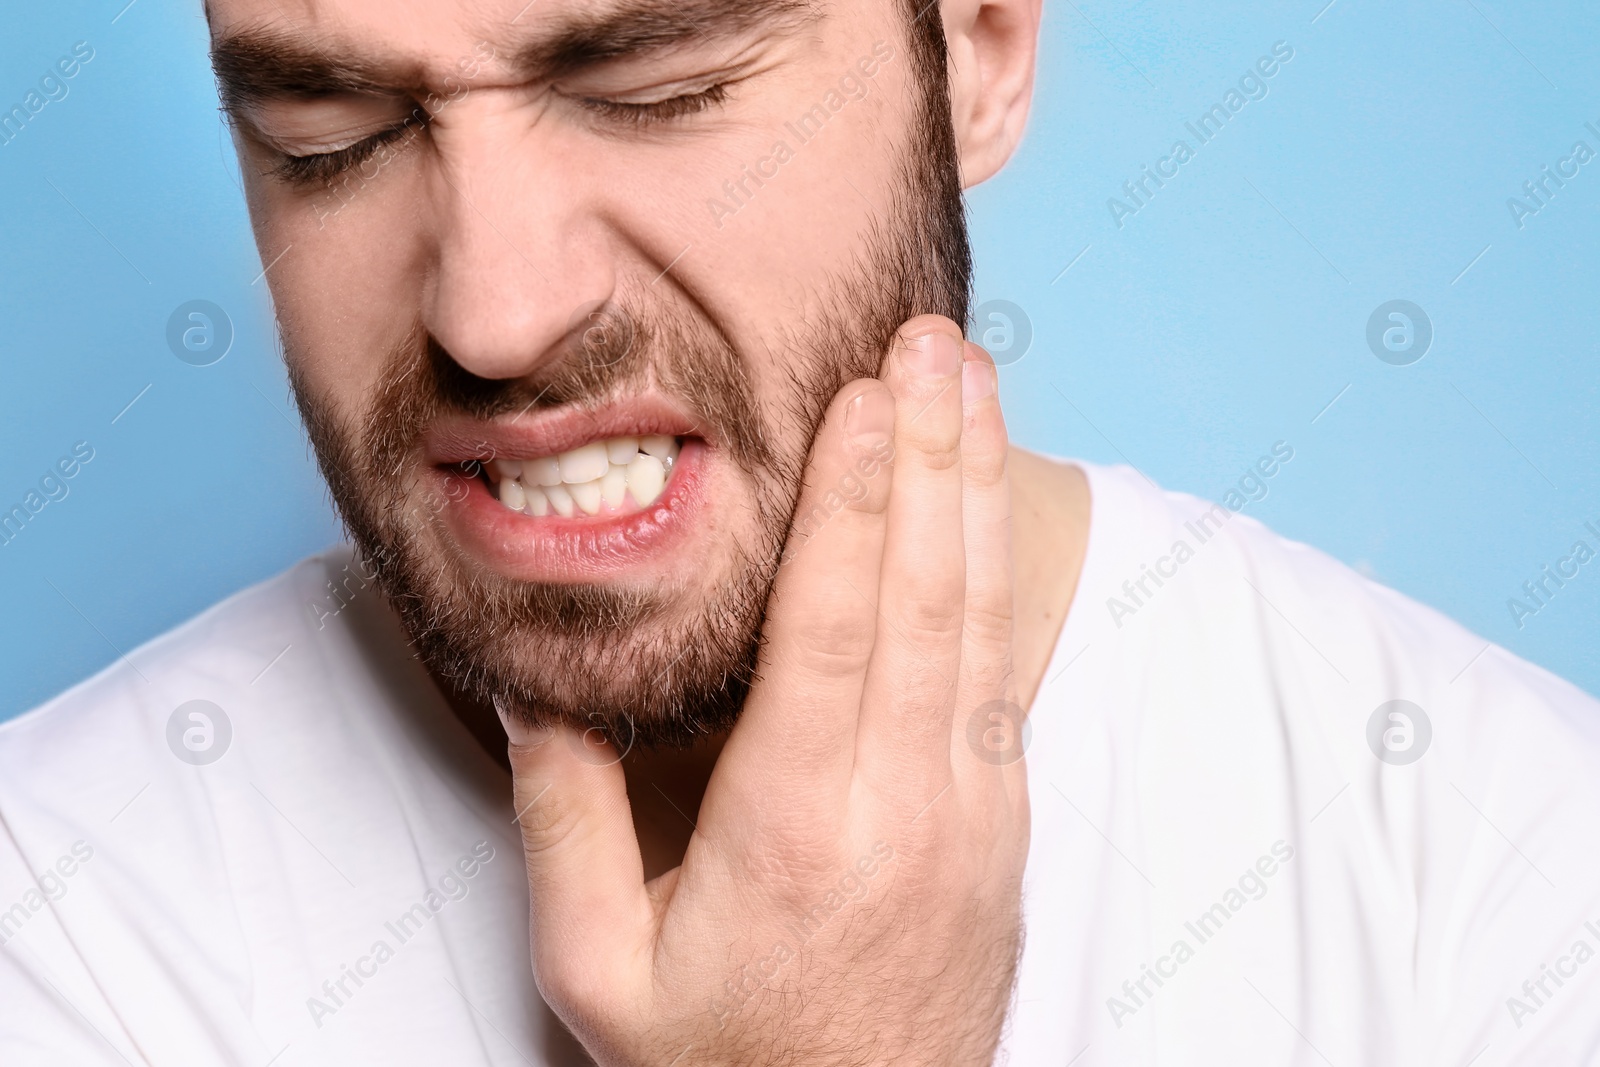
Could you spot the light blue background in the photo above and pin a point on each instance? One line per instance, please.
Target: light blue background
(1224, 316)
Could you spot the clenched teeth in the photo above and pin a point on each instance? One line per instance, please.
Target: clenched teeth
(601, 475)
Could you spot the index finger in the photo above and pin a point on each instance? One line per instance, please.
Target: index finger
(911, 683)
(798, 726)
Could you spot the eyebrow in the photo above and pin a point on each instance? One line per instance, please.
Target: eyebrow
(266, 64)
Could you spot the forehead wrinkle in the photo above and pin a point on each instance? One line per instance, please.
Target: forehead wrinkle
(268, 62)
(634, 27)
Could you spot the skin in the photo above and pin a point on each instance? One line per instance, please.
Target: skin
(938, 593)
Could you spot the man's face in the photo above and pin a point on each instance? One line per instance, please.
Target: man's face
(565, 288)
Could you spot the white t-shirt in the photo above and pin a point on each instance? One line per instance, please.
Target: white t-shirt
(1223, 870)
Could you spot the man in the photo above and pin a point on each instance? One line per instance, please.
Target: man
(694, 569)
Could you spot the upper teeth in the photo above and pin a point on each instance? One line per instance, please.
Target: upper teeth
(600, 473)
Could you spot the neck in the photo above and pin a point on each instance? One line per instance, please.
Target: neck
(1050, 532)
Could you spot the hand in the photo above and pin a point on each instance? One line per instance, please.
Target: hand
(851, 893)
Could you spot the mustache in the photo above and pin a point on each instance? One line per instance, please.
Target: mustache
(607, 354)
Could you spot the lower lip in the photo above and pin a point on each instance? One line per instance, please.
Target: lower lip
(583, 548)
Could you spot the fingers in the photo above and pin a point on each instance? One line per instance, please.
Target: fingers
(916, 663)
(798, 728)
(589, 915)
(986, 709)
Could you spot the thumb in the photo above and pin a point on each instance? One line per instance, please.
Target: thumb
(589, 914)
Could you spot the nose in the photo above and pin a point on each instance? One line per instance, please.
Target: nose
(519, 256)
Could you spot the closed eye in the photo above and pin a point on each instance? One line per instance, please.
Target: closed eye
(639, 115)
(323, 167)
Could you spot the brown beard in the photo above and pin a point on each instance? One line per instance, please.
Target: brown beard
(614, 659)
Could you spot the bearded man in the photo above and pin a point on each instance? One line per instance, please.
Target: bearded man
(709, 681)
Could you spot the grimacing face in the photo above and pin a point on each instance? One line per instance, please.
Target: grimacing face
(564, 290)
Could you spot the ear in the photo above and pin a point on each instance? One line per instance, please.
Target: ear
(992, 45)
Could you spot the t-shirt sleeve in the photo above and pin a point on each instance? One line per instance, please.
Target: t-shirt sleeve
(51, 1012)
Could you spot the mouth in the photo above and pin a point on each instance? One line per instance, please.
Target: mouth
(573, 496)
(615, 476)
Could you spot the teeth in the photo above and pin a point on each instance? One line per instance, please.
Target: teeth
(614, 486)
(511, 494)
(588, 496)
(560, 499)
(599, 476)
(660, 447)
(646, 476)
(621, 450)
(584, 464)
(542, 471)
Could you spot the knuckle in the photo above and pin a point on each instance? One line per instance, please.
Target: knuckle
(929, 627)
(934, 446)
(940, 454)
(933, 614)
(546, 818)
(837, 650)
(988, 625)
(571, 987)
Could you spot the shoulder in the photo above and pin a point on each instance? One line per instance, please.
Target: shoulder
(110, 835)
(1430, 782)
(1232, 637)
(212, 824)
(1173, 560)
(227, 638)
(83, 743)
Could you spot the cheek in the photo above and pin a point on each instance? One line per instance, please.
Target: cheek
(346, 287)
(765, 252)
(785, 204)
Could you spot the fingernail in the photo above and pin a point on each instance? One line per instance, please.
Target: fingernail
(519, 731)
(977, 381)
(933, 355)
(869, 419)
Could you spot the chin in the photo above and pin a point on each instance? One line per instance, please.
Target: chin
(647, 652)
